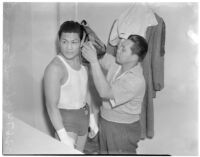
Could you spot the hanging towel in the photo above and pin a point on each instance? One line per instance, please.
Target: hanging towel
(134, 20)
(110, 48)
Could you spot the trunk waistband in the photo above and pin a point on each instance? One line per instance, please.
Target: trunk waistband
(114, 116)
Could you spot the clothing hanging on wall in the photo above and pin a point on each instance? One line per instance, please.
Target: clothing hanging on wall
(153, 68)
(110, 48)
(90, 35)
(153, 63)
(159, 52)
(134, 20)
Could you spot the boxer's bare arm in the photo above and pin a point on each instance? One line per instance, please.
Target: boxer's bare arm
(52, 83)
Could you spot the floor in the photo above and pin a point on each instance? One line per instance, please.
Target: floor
(92, 146)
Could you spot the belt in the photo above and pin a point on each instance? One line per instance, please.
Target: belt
(86, 109)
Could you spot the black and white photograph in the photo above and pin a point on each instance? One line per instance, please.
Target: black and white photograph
(100, 78)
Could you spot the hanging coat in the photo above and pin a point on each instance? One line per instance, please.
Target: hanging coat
(153, 68)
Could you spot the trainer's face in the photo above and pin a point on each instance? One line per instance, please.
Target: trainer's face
(70, 45)
(124, 52)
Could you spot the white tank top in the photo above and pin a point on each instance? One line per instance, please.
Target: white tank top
(73, 91)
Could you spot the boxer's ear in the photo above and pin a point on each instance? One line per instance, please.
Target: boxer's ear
(83, 39)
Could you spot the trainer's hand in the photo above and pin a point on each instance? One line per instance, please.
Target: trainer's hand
(89, 52)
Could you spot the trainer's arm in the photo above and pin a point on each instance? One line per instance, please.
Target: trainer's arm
(101, 84)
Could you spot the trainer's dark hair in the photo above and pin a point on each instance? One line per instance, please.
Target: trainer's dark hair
(140, 47)
(71, 27)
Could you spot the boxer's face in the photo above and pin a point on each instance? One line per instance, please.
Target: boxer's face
(70, 45)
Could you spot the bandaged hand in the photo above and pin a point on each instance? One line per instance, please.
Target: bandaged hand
(93, 126)
(65, 138)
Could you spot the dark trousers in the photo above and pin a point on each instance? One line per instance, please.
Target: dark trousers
(118, 138)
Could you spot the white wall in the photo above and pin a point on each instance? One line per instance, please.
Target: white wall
(30, 41)
(176, 107)
(29, 37)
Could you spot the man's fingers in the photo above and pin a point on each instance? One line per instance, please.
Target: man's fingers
(88, 45)
(92, 46)
(84, 52)
(84, 55)
(85, 47)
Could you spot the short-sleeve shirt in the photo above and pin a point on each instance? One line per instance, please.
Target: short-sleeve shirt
(128, 90)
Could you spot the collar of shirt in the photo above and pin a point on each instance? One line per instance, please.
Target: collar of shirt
(136, 69)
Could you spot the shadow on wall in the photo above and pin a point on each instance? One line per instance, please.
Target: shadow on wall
(24, 98)
(57, 49)
(45, 113)
(19, 95)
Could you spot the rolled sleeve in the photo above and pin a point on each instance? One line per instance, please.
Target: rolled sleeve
(124, 90)
(107, 61)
